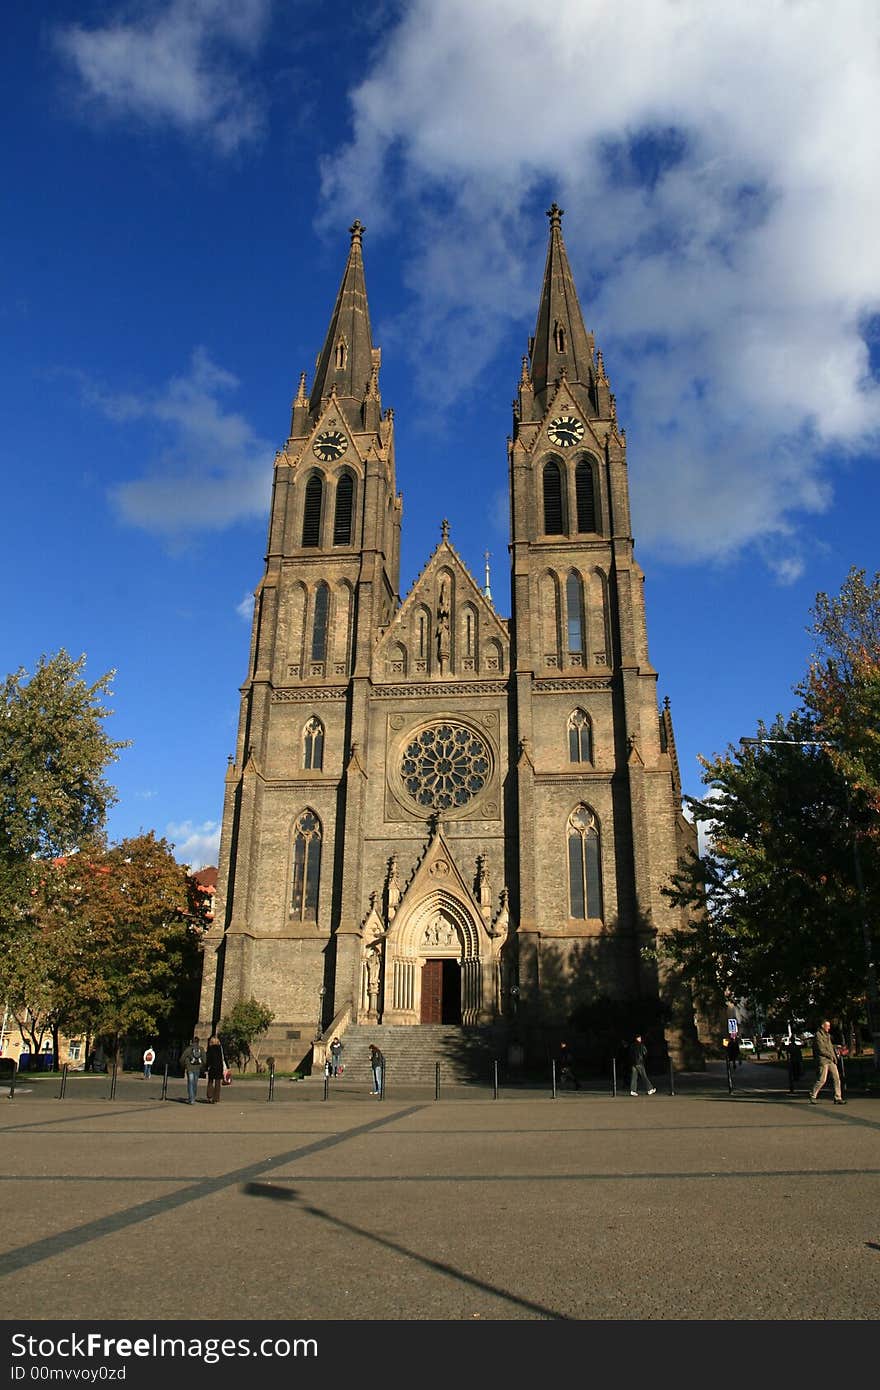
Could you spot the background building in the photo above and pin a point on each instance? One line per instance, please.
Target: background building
(436, 814)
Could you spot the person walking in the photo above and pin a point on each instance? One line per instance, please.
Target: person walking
(149, 1059)
(377, 1063)
(637, 1055)
(825, 1054)
(335, 1056)
(733, 1051)
(216, 1064)
(192, 1061)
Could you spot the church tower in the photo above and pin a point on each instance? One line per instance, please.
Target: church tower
(436, 815)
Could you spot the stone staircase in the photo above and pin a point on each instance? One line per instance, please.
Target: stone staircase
(411, 1054)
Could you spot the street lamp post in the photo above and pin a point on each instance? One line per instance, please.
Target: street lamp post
(871, 999)
(319, 1031)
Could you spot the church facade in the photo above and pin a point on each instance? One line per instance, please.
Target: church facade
(435, 813)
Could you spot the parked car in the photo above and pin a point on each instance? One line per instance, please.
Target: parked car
(746, 1045)
(767, 1044)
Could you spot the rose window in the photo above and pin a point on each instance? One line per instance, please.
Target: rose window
(444, 766)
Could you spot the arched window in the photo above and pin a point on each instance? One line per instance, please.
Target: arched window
(580, 737)
(554, 522)
(559, 336)
(312, 510)
(585, 497)
(319, 624)
(306, 867)
(574, 602)
(584, 879)
(313, 746)
(342, 518)
(341, 352)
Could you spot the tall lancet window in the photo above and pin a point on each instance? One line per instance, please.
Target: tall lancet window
(574, 602)
(559, 336)
(313, 746)
(319, 624)
(584, 877)
(341, 352)
(580, 737)
(342, 517)
(306, 867)
(554, 515)
(312, 510)
(585, 496)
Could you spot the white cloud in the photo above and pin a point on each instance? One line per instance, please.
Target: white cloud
(719, 171)
(209, 468)
(178, 65)
(195, 845)
(245, 609)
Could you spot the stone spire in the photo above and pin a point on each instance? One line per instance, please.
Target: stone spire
(347, 360)
(561, 345)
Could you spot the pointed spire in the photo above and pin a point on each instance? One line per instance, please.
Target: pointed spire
(486, 590)
(561, 345)
(346, 360)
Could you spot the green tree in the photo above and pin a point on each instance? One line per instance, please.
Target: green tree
(54, 751)
(54, 798)
(842, 690)
(774, 900)
(246, 1021)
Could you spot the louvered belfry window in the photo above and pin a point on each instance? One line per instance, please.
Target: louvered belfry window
(553, 511)
(312, 511)
(585, 496)
(319, 627)
(342, 518)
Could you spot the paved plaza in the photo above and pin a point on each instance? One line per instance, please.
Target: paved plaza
(698, 1205)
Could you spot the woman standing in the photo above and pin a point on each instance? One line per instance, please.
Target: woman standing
(216, 1064)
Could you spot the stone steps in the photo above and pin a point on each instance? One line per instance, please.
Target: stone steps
(411, 1053)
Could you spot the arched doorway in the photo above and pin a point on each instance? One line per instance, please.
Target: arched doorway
(441, 991)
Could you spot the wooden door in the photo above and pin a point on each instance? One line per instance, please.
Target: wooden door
(432, 992)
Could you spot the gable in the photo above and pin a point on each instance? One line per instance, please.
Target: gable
(445, 626)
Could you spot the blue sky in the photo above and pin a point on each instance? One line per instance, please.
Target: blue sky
(179, 177)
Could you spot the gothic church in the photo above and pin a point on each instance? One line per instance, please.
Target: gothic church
(436, 814)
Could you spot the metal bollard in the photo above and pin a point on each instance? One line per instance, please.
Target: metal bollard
(553, 1078)
(382, 1072)
(436, 1080)
(271, 1094)
(112, 1095)
(729, 1076)
(495, 1080)
(63, 1086)
(165, 1083)
(326, 1094)
(614, 1076)
(12, 1082)
(671, 1078)
(790, 1072)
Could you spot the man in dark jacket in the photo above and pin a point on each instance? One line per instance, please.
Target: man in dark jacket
(192, 1061)
(825, 1054)
(637, 1054)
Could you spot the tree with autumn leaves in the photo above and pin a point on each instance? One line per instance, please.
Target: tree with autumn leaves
(93, 937)
(783, 898)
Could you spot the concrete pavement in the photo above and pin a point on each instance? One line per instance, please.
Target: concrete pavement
(695, 1206)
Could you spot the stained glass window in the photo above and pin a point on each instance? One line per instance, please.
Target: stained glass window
(445, 766)
(306, 867)
(584, 878)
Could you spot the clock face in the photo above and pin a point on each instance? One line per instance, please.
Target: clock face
(331, 444)
(565, 430)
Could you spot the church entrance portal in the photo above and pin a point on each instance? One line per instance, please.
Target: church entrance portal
(441, 991)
